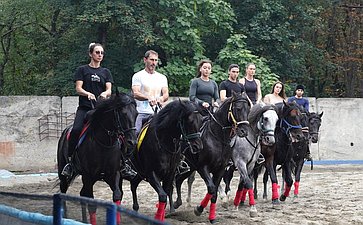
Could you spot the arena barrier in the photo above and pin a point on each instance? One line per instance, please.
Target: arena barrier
(31, 209)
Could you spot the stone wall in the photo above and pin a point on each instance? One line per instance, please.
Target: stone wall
(31, 125)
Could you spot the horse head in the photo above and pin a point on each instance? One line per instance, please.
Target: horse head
(124, 117)
(190, 121)
(290, 120)
(314, 126)
(115, 117)
(234, 112)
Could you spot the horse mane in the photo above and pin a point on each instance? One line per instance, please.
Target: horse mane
(257, 110)
(115, 101)
(172, 112)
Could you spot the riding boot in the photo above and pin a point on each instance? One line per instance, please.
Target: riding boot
(261, 159)
(127, 172)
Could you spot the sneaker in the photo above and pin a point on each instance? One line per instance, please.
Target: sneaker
(261, 159)
(67, 170)
(127, 172)
(182, 168)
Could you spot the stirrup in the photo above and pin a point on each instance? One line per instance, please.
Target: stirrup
(182, 168)
(308, 157)
(260, 159)
(127, 172)
(67, 170)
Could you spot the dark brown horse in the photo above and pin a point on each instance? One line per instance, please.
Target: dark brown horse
(210, 162)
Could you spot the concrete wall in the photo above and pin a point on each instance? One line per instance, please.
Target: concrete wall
(24, 147)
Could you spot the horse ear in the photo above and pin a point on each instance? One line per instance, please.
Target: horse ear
(321, 114)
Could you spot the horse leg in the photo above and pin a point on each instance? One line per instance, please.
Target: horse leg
(288, 181)
(155, 183)
(117, 193)
(133, 186)
(270, 170)
(179, 179)
(298, 170)
(255, 177)
(213, 201)
(87, 191)
(227, 178)
(204, 173)
(190, 182)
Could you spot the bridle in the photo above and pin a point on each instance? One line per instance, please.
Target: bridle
(288, 126)
(187, 137)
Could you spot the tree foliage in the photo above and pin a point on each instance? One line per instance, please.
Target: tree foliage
(313, 42)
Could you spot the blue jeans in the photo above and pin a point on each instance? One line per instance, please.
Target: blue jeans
(141, 119)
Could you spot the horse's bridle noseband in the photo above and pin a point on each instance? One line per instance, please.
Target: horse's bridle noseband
(187, 137)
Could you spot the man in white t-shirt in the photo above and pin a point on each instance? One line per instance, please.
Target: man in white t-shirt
(150, 88)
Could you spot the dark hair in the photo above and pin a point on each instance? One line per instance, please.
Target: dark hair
(232, 66)
(299, 86)
(150, 52)
(282, 93)
(249, 64)
(200, 64)
(92, 46)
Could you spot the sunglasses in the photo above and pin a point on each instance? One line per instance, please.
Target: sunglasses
(100, 52)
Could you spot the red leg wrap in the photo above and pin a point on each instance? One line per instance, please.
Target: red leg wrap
(92, 218)
(118, 214)
(237, 198)
(206, 199)
(244, 193)
(287, 190)
(212, 211)
(160, 213)
(251, 197)
(296, 188)
(275, 191)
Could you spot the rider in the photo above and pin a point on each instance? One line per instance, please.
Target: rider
(231, 84)
(92, 82)
(150, 89)
(304, 102)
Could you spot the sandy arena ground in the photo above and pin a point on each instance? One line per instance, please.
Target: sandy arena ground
(329, 194)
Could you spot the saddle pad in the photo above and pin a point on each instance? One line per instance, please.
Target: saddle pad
(81, 136)
(142, 135)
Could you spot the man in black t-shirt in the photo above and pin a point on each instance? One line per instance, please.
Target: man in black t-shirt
(231, 84)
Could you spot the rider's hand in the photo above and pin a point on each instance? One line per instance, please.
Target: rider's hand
(215, 104)
(205, 104)
(91, 96)
(152, 101)
(103, 95)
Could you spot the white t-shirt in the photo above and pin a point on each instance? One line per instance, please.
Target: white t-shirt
(151, 85)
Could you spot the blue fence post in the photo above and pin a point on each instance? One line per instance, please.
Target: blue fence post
(111, 214)
(57, 209)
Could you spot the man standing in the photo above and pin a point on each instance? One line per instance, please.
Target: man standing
(150, 88)
(231, 84)
(298, 98)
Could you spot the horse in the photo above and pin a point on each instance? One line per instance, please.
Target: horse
(246, 150)
(210, 162)
(311, 123)
(288, 130)
(110, 129)
(158, 150)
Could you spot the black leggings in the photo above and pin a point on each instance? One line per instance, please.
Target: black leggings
(76, 129)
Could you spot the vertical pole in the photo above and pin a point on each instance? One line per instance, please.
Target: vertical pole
(111, 214)
(57, 209)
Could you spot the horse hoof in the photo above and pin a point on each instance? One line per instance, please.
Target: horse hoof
(213, 221)
(177, 204)
(295, 199)
(235, 208)
(253, 211)
(282, 198)
(198, 210)
(135, 208)
(242, 203)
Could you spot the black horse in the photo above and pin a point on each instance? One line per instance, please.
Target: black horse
(311, 123)
(109, 130)
(229, 120)
(158, 150)
(288, 131)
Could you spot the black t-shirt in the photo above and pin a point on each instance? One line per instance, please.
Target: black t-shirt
(230, 86)
(94, 81)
